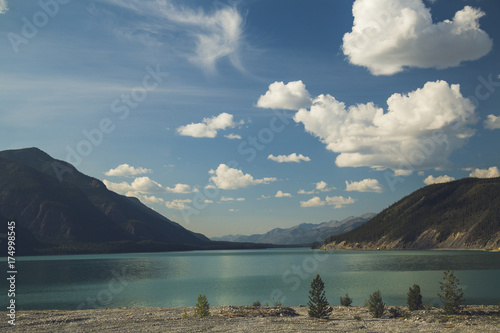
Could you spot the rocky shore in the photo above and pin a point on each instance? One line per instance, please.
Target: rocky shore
(251, 319)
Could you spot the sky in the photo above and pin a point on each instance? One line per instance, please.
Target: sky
(237, 117)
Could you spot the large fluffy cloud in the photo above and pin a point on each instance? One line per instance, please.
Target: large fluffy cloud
(388, 35)
(492, 172)
(125, 170)
(227, 178)
(208, 127)
(365, 185)
(290, 96)
(288, 158)
(419, 130)
(492, 122)
(438, 180)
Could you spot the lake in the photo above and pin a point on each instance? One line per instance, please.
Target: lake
(240, 277)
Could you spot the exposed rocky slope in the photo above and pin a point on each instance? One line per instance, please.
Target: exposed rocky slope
(464, 214)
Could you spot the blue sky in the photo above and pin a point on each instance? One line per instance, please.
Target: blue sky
(239, 117)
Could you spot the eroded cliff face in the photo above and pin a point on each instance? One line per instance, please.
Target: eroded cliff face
(428, 240)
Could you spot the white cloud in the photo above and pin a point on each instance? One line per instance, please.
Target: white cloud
(149, 199)
(492, 172)
(179, 204)
(223, 198)
(233, 210)
(366, 185)
(232, 136)
(209, 127)
(227, 178)
(139, 185)
(125, 170)
(211, 36)
(492, 122)
(3, 6)
(181, 188)
(401, 172)
(337, 202)
(322, 186)
(301, 191)
(388, 35)
(438, 180)
(313, 202)
(144, 185)
(281, 194)
(290, 158)
(290, 96)
(419, 130)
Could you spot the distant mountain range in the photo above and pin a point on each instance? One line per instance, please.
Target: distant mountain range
(302, 234)
(463, 214)
(57, 209)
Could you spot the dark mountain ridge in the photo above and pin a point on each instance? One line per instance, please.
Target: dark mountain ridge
(58, 209)
(463, 214)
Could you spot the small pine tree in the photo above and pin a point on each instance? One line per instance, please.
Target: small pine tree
(450, 294)
(376, 305)
(202, 308)
(346, 300)
(414, 298)
(318, 304)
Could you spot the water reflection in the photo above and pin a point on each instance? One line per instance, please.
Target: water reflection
(242, 277)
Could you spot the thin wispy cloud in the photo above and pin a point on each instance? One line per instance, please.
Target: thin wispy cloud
(213, 36)
(3, 6)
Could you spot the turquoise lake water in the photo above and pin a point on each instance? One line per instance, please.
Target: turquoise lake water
(241, 277)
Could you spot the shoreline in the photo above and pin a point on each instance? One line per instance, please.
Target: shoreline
(474, 318)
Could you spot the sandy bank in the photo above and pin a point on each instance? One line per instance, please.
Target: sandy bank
(247, 319)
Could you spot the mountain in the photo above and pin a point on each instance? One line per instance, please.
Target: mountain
(57, 209)
(463, 214)
(303, 234)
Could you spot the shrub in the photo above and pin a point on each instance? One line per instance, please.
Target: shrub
(256, 304)
(277, 304)
(318, 304)
(346, 300)
(451, 296)
(376, 305)
(202, 308)
(414, 298)
(185, 314)
(396, 312)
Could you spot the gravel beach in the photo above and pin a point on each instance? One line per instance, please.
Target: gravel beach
(250, 319)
